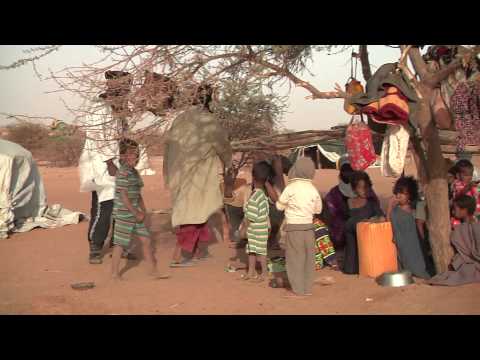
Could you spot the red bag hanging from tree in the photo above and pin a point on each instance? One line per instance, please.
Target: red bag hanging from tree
(359, 144)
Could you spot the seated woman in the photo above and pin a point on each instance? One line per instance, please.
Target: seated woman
(465, 238)
(336, 201)
(408, 224)
(360, 208)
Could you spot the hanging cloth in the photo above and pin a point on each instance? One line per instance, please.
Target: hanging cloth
(359, 144)
(391, 108)
(465, 105)
(394, 151)
(387, 93)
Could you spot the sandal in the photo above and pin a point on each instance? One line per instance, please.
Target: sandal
(230, 269)
(244, 277)
(204, 257)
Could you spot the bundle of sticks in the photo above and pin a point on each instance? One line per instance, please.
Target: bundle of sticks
(279, 142)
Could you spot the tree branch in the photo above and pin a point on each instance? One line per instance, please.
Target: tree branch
(316, 94)
(432, 80)
(366, 70)
(417, 62)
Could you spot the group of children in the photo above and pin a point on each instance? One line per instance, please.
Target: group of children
(301, 204)
(299, 201)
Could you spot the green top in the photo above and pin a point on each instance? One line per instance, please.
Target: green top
(129, 179)
(257, 207)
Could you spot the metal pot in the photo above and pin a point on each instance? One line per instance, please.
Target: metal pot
(395, 279)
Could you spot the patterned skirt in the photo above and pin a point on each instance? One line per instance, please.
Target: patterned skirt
(324, 250)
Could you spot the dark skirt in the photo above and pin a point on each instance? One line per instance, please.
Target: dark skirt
(410, 254)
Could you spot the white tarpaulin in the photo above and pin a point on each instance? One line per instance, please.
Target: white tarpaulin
(22, 194)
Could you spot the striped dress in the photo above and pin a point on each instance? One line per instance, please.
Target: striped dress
(126, 224)
(256, 211)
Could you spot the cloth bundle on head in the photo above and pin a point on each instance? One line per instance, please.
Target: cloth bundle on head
(304, 168)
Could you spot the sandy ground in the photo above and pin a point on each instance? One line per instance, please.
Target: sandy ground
(38, 267)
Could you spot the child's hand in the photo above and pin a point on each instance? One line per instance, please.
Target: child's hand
(392, 202)
(140, 216)
(111, 168)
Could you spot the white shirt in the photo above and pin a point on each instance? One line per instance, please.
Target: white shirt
(101, 144)
(300, 200)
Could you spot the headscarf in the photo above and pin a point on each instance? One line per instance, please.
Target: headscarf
(346, 190)
(302, 169)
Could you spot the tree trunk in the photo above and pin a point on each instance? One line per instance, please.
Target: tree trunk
(366, 71)
(436, 190)
(437, 201)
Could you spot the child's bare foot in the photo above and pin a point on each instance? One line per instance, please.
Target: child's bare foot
(244, 277)
(325, 280)
(420, 281)
(257, 279)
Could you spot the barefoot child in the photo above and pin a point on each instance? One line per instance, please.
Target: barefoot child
(129, 210)
(256, 212)
(300, 200)
(408, 226)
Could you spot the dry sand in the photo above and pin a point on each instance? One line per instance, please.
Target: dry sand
(38, 267)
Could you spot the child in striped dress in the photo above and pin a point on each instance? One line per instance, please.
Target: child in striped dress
(256, 212)
(129, 210)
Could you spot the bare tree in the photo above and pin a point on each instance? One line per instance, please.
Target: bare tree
(247, 110)
(180, 70)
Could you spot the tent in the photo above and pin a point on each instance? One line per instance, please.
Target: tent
(23, 201)
(324, 154)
